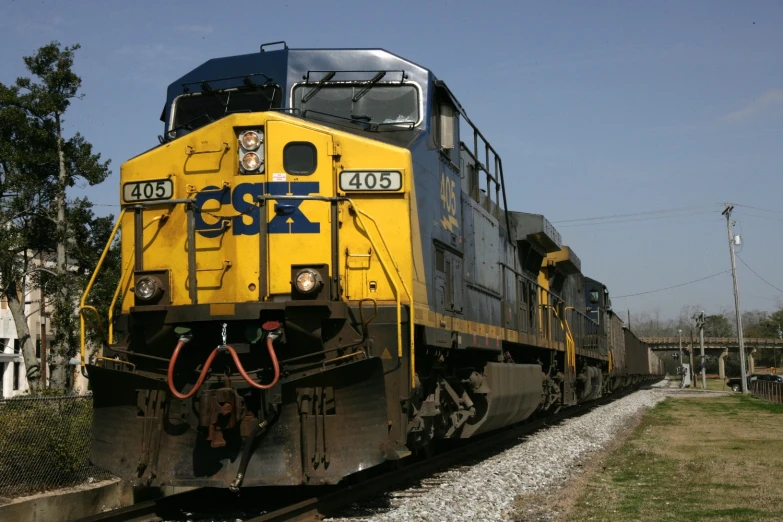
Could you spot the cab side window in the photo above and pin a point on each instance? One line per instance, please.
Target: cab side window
(445, 126)
(300, 158)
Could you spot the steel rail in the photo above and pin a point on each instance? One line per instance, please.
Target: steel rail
(142, 511)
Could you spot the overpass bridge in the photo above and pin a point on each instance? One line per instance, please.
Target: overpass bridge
(715, 346)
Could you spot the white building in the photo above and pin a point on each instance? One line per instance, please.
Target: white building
(12, 367)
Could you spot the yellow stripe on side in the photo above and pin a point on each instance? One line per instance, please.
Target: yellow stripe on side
(427, 317)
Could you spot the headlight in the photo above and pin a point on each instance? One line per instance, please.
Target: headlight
(250, 140)
(251, 161)
(146, 288)
(308, 281)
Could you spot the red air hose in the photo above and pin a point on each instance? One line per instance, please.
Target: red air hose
(275, 366)
(208, 363)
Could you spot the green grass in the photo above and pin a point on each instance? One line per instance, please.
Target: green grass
(703, 459)
(713, 384)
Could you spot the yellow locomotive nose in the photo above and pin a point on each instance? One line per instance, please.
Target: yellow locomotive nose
(259, 208)
(264, 219)
(255, 194)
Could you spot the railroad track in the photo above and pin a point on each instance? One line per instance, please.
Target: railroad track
(296, 504)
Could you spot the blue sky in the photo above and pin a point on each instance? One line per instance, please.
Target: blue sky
(597, 108)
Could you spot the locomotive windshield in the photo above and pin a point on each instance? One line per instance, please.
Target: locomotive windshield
(377, 105)
(192, 111)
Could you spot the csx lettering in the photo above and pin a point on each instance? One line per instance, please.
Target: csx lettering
(288, 218)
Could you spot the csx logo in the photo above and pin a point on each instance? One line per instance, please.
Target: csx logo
(288, 219)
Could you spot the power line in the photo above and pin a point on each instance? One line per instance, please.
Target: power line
(632, 214)
(652, 218)
(670, 287)
(777, 300)
(756, 274)
(773, 218)
(758, 208)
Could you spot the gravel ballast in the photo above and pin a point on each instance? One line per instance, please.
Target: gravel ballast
(486, 491)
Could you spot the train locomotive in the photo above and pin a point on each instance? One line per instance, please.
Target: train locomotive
(320, 274)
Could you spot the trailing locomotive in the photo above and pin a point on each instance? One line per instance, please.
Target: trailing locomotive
(321, 274)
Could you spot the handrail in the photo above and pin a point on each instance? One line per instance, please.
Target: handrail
(120, 284)
(98, 323)
(117, 361)
(82, 303)
(570, 344)
(359, 213)
(190, 150)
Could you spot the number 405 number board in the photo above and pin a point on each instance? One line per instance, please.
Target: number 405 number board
(351, 181)
(152, 190)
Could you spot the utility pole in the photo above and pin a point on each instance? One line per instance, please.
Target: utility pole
(682, 368)
(737, 308)
(42, 314)
(693, 366)
(701, 318)
(775, 351)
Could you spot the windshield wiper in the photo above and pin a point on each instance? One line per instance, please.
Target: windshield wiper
(250, 84)
(187, 123)
(206, 89)
(362, 120)
(318, 86)
(412, 124)
(369, 85)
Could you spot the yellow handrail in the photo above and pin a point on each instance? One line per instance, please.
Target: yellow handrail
(359, 213)
(570, 337)
(570, 343)
(94, 310)
(121, 284)
(82, 305)
(117, 361)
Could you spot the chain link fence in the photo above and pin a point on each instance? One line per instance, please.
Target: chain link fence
(45, 444)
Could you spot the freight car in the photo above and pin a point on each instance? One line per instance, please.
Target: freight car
(631, 361)
(320, 273)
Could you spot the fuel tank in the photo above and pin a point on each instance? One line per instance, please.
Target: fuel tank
(512, 393)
